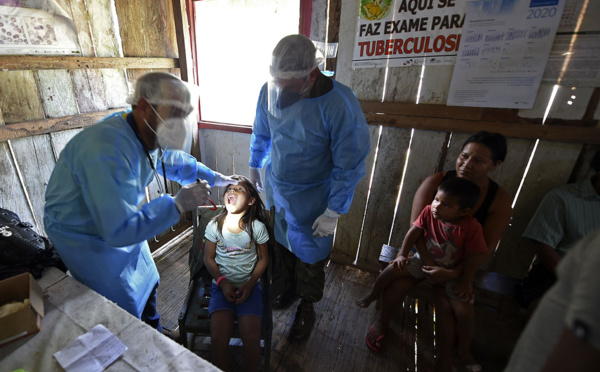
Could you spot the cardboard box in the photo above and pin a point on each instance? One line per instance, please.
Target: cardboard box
(25, 321)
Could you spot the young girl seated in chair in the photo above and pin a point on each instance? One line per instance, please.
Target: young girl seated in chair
(236, 256)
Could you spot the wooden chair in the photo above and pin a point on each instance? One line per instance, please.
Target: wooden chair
(193, 317)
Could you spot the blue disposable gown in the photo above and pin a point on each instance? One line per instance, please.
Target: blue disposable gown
(317, 156)
(92, 215)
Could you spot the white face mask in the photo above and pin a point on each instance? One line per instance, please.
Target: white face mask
(173, 133)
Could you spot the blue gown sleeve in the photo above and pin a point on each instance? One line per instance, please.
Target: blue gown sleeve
(112, 193)
(260, 141)
(184, 169)
(350, 145)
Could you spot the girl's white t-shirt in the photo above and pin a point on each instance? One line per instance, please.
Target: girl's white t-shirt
(236, 254)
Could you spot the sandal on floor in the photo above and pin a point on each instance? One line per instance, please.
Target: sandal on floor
(373, 346)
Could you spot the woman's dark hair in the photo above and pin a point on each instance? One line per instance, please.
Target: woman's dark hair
(493, 141)
(255, 212)
(466, 191)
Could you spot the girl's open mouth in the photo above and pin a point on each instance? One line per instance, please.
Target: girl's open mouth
(231, 199)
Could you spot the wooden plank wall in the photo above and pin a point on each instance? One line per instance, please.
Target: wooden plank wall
(363, 234)
(105, 28)
(380, 212)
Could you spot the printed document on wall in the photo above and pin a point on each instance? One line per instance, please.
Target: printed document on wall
(505, 46)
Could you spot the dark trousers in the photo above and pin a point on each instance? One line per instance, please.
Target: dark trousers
(307, 280)
(150, 314)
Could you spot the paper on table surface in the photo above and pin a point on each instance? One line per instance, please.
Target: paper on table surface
(91, 352)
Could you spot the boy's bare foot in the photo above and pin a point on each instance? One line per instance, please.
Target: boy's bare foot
(365, 301)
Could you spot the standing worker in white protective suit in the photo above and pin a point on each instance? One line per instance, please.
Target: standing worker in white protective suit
(91, 212)
(312, 137)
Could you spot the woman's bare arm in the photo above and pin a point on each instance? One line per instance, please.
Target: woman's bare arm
(497, 221)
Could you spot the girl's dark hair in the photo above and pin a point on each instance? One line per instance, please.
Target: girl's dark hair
(256, 211)
(466, 191)
(493, 141)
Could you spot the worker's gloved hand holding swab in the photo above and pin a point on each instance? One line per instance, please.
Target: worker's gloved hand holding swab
(191, 196)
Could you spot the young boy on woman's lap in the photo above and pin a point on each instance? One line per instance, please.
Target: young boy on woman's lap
(445, 234)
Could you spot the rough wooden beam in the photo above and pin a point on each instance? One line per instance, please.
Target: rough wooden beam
(561, 133)
(437, 111)
(182, 31)
(32, 128)
(18, 62)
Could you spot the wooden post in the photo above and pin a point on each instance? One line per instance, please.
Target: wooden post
(186, 62)
(183, 40)
(305, 14)
(333, 30)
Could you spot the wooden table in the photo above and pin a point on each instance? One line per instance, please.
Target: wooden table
(72, 309)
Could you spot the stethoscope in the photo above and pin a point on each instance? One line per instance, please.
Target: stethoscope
(131, 123)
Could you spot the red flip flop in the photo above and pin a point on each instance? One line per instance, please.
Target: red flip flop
(373, 346)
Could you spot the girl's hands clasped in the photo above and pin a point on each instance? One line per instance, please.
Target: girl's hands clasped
(243, 292)
(228, 291)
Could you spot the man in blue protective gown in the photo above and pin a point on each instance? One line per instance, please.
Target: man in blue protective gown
(92, 212)
(311, 136)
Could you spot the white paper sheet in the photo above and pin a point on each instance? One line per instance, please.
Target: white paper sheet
(505, 46)
(91, 352)
(36, 27)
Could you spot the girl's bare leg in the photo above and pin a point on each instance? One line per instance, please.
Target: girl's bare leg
(250, 331)
(221, 327)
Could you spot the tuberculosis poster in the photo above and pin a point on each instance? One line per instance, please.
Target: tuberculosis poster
(392, 33)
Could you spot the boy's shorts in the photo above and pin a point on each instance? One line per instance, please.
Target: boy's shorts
(414, 268)
(252, 306)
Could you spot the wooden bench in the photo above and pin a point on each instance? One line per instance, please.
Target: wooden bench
(492, 290)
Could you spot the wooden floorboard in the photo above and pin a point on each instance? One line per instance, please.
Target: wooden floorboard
(337, 342)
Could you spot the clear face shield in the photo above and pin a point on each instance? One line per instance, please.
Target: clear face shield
(293, 60)
(283, 93)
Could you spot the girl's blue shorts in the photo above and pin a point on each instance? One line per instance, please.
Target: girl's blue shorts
(252, 306)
